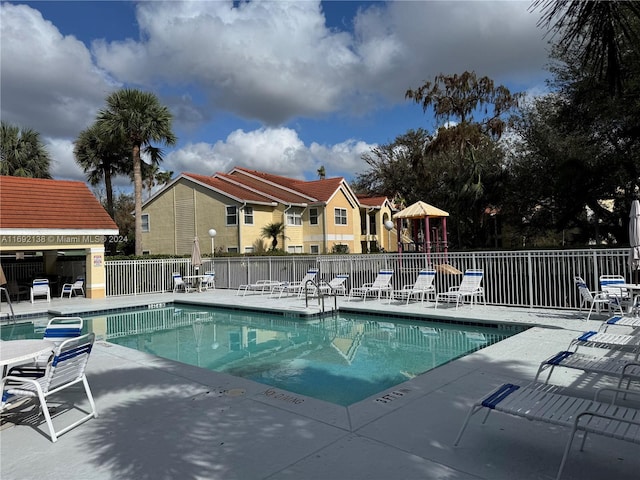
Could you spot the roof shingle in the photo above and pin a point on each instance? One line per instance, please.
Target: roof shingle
(42, 203)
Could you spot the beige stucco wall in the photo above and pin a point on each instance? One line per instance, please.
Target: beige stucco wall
(187, 209)
(348, 234)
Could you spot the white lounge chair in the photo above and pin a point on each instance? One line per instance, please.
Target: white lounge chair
(40, 288)
(619, 367)
(551, 404)
(66, 369)
(295, 287)
(335, 286)
(423, 287)
(469, 288)
(261, 286)
(611, 341)
(596, 299)
(72, 288)
(382, 283)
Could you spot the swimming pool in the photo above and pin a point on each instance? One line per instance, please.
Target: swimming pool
(341, 359)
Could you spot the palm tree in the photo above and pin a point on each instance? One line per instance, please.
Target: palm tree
(602, 31)
(102, 157)
(273, 231)
(152, 176)
(140, 118)
(22, 154)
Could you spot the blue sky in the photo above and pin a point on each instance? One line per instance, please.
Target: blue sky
(284, 87)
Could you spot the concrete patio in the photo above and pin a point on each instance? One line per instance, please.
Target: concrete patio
(164, 420)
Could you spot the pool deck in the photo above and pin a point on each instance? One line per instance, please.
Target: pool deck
(165, 420)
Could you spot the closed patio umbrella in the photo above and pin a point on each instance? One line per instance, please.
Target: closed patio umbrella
(196, 258)
(634, 237)
(3, 279)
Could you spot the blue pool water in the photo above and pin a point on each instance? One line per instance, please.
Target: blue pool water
(342, 359)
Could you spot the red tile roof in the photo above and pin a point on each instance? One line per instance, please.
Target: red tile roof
(223, 184)
(371, 201)
(34, 203)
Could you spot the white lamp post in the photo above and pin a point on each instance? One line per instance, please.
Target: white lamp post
(389, 226)
(212, 234)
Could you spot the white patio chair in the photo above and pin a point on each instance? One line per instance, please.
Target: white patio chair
(423, 287)
(72, 288)
(66, 369)
(40, 288)
(611, 285)
(382, 283)
(550, 404)
(594, 298)
(469, 288)
(209, 280)
(57, 331)
(180, 284)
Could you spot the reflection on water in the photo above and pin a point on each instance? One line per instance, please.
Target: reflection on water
(341, 359)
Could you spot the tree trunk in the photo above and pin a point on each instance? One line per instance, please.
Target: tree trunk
(137, 188)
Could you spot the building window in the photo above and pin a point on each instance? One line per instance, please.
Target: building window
(294, 249)
(294, 217)
(145, 222)
(313, 216)
(248, 215)
(232, 249)
(232, 215)
(314, 249)
(340, 216)
(248, 249)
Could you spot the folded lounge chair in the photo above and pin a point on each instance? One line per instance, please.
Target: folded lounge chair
(382, 283)
(66, 369)
(423, 287)
(550, 404)
(469, 288)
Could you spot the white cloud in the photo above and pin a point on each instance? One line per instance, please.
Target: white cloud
(49, 82)
(271, 61)
(274, 150)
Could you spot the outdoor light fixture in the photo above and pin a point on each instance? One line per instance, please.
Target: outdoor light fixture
(212, 234)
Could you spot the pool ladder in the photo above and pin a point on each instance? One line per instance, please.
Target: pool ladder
(321, 296)
(12, 315)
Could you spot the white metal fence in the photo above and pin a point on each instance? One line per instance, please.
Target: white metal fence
(522, 278)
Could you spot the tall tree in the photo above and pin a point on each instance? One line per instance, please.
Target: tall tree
(273, 231)
(599, 31)
(464, 156)
(141, 119)
(322, 173)
(22, 154)
(102, 157)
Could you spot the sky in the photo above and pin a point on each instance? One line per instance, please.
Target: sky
(277, 86)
